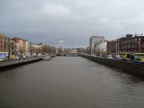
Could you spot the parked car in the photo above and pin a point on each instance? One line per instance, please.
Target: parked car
(1, 59)
(17, 57)
(24, 57)
(109, 56)
(93, 55)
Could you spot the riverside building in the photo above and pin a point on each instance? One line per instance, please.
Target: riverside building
(61, 45)
(111, 47)
(4, 43)
(21, 44)
(94, 41)
(131, 43)
(4, 46)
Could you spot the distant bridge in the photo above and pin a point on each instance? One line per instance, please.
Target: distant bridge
(67, 54)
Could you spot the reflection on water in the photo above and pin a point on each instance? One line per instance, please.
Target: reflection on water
(69, 82)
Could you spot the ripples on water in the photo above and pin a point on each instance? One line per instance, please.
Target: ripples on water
(69, 82)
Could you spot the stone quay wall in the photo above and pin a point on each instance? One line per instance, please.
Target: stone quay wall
(14, 63)
(130, 67)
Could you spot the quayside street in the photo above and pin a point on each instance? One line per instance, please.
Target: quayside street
(69, 82)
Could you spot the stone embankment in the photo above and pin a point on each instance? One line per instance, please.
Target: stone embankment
(130, 67)
(14, 63)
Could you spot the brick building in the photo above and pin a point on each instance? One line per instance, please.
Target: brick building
(111, 47)
(131, 43)
(4, 43)
(21, 44)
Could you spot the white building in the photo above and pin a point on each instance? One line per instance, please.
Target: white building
(27, 51)
(61, 44)
(101, 47)
(93, 41)
(17, 47)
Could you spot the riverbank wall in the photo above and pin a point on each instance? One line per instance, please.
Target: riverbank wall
(14, 63)
(130, 67)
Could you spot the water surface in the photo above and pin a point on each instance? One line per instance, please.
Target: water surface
(69, 82)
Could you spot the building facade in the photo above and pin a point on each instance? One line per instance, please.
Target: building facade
(131, 43)
(111, 47)
(101, 48)
(94, 41)
(4, 46)
(28, 48)
(61, 45)
(21, 43)
(4, 43)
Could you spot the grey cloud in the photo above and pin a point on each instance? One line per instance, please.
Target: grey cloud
(73, 20)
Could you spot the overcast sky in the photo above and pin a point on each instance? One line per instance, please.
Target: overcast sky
(75, 21)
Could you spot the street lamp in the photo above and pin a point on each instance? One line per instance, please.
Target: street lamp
(117, 46)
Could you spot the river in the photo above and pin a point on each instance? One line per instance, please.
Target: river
(69, 82)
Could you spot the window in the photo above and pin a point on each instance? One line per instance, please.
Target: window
(142, 45)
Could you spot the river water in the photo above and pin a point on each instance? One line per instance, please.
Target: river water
(69, 82)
